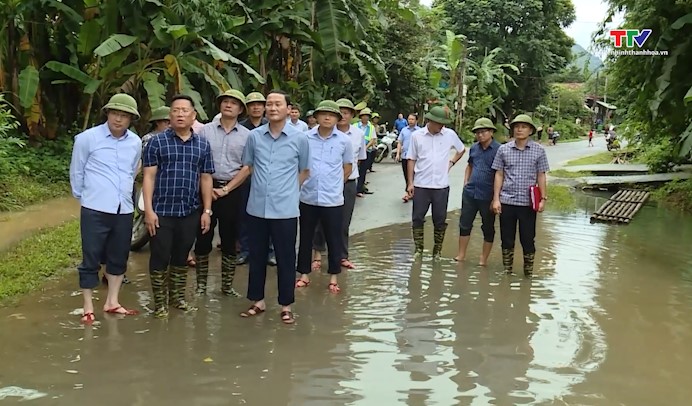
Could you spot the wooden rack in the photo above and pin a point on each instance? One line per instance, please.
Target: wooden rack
(621, 207)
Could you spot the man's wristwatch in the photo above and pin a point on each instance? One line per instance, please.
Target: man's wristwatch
(544, 198)
(208, 211)
(225, 189)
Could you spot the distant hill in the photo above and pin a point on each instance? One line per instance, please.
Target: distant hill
(581, 56)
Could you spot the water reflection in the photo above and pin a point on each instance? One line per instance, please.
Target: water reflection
(606, 321)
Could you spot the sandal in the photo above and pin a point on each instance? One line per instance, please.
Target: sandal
(302, 284)
(316, 265)
(256, 311)
(121, 310)
(191, 262)
(347, 264)
(287, 317)
(88, 319)
(360, 194)
(334, 288)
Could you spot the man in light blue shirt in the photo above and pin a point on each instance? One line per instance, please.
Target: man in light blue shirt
(402, 146)
(295, 121)
(322, 195)
(104, 162)
(278, 157)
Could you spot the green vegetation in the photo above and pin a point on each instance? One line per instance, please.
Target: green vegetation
(561, 198)
(677, 193)
(561, 173)
(26, 266)
(602, 158)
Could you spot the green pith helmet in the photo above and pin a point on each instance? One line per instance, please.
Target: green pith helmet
(376, 115)
(523, 118)
(482, 124)
(365, 112)
(328, 106)
(255, 97)
(346, 104)
(310, 113)
(234, 94)
(440, 114)
(123, 102)
(360, 106)
(161, 113)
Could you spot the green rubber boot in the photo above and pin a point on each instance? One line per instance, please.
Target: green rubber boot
(178, 282)
(159, 290)
(439, 235)
(202, 271)
(508, 259)
(418, 240)
(227, 275)
(528, 264)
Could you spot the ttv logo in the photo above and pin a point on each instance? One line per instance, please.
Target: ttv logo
(630, 36)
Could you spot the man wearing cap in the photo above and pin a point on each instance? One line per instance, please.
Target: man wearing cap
(357, 137)
(322, 194)
(478, 190)
(312, 121)
(255, 108)
(295, 121)
(519, 164)
(428, 169)
(178, 168)
(402, 146)
(370, 140)
(160, 120)
(227, 138)
(104, 162)
(278, 157)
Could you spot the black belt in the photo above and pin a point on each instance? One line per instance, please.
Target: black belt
(221, 183)
(351, 180)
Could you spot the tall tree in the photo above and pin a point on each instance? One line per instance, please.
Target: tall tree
(530, 33)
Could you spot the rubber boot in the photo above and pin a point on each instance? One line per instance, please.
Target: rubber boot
(202, 271)
(418, 240)
(159, 290)
(508, 259)
(528, 264)
(178, 281)
(227, 275)
(439, 236)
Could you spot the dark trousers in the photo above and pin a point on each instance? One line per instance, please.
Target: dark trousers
(243, 235)
(469, 208)
(363, 167)
(526, 217)
(319, 243)
(226, 213)
(105, 239)
(283, 234)
(423, 198)
(404, 167)
(173, 241)
(332, 223)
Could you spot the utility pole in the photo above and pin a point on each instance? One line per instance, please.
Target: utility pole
(605, 90)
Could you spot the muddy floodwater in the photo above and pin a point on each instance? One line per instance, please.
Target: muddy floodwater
(606, 321)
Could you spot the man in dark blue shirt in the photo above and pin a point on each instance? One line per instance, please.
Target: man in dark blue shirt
(177, 169)
(478, 190)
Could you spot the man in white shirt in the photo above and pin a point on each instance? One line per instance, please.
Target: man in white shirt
(428, 173)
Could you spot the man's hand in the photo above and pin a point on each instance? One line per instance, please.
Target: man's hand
(541, 206)
(218, 193)
(151, 220)
(409, 190)
(205, 222)
(496, 206)
(398, 158)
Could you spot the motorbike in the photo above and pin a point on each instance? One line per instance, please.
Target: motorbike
(612, 144)
(386, 146)
(140, 234)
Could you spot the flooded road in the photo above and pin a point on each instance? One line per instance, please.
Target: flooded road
(605, 322)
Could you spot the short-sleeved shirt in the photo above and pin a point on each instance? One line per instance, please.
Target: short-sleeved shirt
(431, 153)
(521, 168)
(179, 166)
(226, 148)
(325, 185)
(405, 139)
(250, 126)
(480, 185)
(358, 146)
(276, 164)
(400, 123)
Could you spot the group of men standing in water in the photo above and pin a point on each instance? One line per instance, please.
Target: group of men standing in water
(266, 175)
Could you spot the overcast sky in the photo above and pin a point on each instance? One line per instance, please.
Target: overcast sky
(589, 14)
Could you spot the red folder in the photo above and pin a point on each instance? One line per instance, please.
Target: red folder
(535, 193)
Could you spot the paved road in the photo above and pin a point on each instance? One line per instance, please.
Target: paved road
(385, 207)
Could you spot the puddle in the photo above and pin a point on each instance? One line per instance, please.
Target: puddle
(605, 322)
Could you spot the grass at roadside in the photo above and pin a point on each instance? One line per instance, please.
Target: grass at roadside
(561, 173)
(560, 198)
(602, 158)
(26, 266)
(17, 192)
(677, 194)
